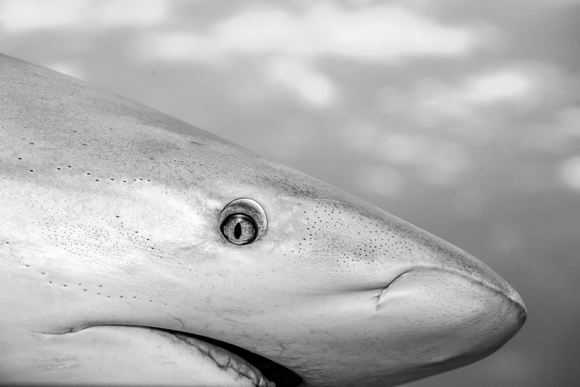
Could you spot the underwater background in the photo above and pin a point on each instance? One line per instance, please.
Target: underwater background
(459, 116)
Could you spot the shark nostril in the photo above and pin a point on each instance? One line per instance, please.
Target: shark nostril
(383, 292)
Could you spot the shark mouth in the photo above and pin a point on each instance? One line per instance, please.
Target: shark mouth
(261, 371)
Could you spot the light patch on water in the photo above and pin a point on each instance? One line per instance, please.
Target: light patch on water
(176, 46)
(311, 85)
(379, 180)
(428, 152)
(27, 16)
(497, 87)
(569, 172)
(438, 161)
(464, 100)
(375, 33)
(137, 13)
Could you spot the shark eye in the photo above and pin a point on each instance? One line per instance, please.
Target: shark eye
(239, 229)
(242, 221)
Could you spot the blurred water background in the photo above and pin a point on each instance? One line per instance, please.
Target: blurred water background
(460, 116)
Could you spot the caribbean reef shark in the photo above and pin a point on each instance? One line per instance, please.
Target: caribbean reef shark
(136, 249)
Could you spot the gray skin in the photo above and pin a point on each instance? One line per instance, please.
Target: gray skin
(110, 227)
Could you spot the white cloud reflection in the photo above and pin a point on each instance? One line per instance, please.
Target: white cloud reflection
(27, 16)
(438, 161)
(378, 33)
(287, 43)
(478, 91)
(311, 85)
(374, 34)
(497, 87)
(570, 172)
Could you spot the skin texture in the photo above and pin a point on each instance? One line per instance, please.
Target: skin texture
(110, 223)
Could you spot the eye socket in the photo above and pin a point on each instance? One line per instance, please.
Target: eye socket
(239, 229)
(243, 221)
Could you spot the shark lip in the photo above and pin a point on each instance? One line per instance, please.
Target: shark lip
(225, 359)
(273, 374)
(261, 371)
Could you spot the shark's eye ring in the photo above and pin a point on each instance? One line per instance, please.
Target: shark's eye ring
(243, 221)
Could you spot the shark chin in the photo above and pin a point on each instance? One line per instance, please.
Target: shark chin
(136, 249)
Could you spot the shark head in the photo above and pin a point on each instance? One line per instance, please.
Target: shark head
(137, 249)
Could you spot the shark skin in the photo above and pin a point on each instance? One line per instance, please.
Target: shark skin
(118, 268)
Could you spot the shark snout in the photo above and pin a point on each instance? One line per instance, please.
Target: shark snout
(449, 316)
(436, 307)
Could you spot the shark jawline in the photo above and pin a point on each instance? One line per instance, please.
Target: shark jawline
(272, 371)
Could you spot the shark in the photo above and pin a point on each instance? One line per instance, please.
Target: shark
(136, 249)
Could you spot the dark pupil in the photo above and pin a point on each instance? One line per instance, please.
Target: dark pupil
(237, 231)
